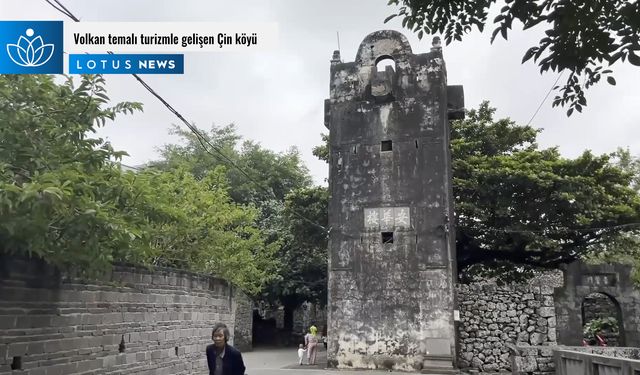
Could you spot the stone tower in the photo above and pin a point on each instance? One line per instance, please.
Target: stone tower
(391, 251)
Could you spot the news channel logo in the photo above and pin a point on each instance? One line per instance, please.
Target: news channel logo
(31, 47)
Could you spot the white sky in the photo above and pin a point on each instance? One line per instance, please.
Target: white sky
(276, 97)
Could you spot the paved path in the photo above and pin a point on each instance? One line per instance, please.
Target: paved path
(285, 362)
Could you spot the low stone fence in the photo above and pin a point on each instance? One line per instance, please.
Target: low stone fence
(581, 363)
(539, 360)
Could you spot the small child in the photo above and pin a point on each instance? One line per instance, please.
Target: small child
(301, 352)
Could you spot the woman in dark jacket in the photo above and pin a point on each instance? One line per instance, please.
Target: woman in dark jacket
(222, 358)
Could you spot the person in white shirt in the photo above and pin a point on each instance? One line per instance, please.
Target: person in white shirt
(301, 352)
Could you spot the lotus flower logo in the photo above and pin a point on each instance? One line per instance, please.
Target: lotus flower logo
(30, 51)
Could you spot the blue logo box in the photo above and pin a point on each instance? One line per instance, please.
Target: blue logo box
(126, 64)
(31, 47)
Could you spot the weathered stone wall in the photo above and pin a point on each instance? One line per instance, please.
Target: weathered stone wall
(132, 322)
(306, 315)
(538, 360)
(242, 307)
(492, 316)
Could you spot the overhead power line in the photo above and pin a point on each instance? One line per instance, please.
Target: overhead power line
(562, 230)
(204, 142)
(220, 155)
(545, 98)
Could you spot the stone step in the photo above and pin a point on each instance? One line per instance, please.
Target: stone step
(438, 362)
(437, 371)
(438, 365)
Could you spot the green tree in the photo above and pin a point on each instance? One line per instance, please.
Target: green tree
(322, 151)
(622, 247)
(520, 205)
(303, 270)
(271, 175)
(61, 197)
(265, 179)
(198, 227)
(64, 198)
(630, 164)
(584, 38)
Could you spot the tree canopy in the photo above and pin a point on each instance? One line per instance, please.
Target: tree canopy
(303, 272)
(584, 38)
(65, 199)
(292, 212)
(519, 205)
(60, 196)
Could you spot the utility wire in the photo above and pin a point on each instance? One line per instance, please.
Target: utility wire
(62, 9)
(205, 142)
(201, 139)
(545, 98)
(564, 230)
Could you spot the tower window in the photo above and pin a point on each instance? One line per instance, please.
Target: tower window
(387, 237)
(383, 62)
(386, 146)
(16, 364)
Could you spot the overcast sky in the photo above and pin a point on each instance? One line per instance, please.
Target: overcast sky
(276, 97)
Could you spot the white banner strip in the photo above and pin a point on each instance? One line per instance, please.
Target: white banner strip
(168, 37)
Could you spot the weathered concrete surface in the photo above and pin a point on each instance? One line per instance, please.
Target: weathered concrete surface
(539, 360)
(582, 280)
(284, 362)
(569, 362)
(133, 322)
(392, 253)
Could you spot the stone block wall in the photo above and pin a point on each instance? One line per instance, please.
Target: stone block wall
(493, 316)
(132, 322)
(243, 321)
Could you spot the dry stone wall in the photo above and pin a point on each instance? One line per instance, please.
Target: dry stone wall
(492, 317)
(133, 322)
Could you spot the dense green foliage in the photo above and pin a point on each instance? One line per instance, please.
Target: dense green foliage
(63, 197)
(265, 179)
(205, 230)
(583, 38)
(520, 205)
(60, 197)
(599, 325)
(303, 273)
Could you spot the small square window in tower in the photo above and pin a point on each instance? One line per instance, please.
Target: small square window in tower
(386, 146)
(387, 237)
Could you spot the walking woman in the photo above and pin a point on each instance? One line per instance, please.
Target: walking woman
(311, 341)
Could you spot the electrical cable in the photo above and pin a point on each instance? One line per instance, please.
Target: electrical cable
(545, 98)
(220, 155)
(201, 139)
